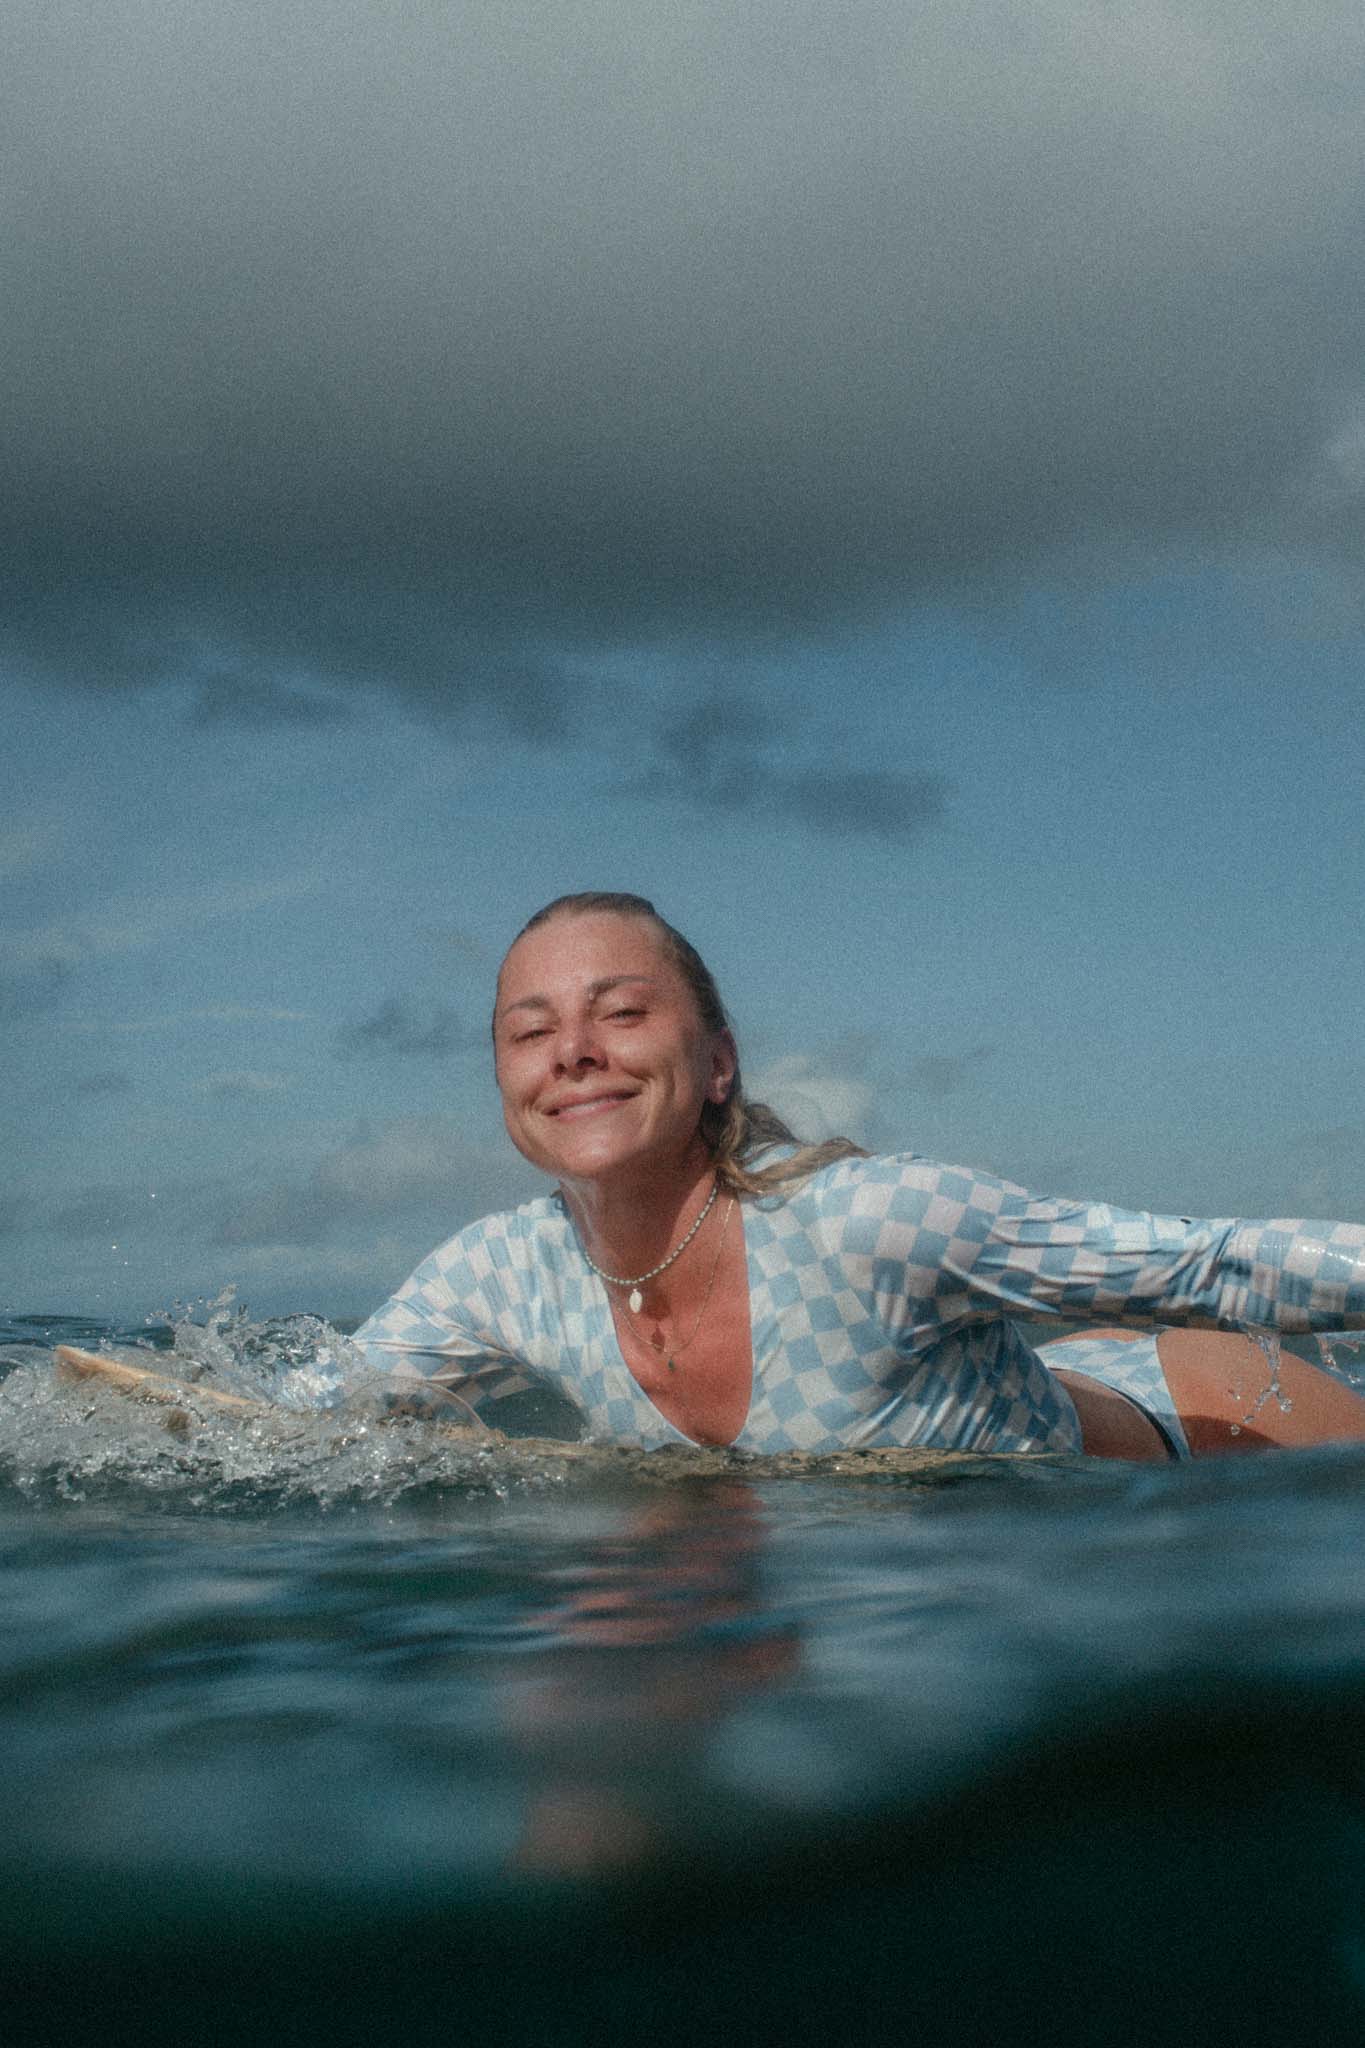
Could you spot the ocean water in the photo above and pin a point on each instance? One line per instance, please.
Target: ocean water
(321, 1728)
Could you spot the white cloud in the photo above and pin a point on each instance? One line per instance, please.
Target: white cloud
(1338, 476)
(138, 922)
(174, 1020)
(415, 1165)
(813, 1097)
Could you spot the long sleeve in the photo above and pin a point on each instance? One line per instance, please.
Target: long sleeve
(1291, 1276)
(1284, 1274)
(953, 1244)
(434, 1334)
(883, 1294)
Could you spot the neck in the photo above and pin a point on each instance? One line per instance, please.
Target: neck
(626, 1226)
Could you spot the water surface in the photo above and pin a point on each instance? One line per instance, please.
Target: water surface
(316, 1725)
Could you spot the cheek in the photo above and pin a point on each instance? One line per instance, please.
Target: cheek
(506, 1077)
(521, 1131)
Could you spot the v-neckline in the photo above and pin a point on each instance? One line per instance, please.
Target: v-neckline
(694, 1443)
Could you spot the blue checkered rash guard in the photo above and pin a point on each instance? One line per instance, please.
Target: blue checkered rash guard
(882, 1293)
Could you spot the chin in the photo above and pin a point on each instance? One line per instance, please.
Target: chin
(582, 1161)
(591, 1163)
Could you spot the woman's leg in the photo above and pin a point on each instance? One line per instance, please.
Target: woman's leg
(1233, 1395)
(1112, 1426)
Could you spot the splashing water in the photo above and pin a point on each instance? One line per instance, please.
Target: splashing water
(1268, 1344)
(296, 1362)
(321, 1432)
(1343, 1353)
(318, 1432)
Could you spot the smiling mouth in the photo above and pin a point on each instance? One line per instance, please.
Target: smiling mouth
(590, 1105)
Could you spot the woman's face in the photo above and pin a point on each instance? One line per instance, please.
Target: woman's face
(603, 1062)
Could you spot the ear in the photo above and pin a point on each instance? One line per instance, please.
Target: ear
(724, 1067)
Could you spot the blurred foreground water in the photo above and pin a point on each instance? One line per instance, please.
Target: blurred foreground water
(318, 1727)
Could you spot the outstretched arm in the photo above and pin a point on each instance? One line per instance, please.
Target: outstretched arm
(941, 1244)
(1088, 1260)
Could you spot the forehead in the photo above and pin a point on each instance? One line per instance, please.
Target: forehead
(560, 958)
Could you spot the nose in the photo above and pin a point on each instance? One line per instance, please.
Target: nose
(578, 1049)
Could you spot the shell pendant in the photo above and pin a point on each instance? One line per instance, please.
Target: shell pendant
(635, 1300)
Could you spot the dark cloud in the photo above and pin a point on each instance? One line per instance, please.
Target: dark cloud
(942, 1073)
(415, 342)
(93, 1214)
(455, 939)
(257, 701)
(139, 627)
(104, 1084)
(30, 991)
(243, 1086)
(715, 754)
(112, 1212)
(862, 803)
(533, 698)
(711, 753)
(400, 1029)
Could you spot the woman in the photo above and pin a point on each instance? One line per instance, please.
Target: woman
(699, 1275)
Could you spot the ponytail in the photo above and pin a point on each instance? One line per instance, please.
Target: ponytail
(738, 1130)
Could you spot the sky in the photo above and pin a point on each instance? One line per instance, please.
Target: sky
(885, 482)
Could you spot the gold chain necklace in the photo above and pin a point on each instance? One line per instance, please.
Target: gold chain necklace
(656, 1343)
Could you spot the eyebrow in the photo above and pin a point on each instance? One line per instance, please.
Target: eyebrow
(595, 989)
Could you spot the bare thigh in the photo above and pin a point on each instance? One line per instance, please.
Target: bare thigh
(1231, 1397)
(1112, 1426)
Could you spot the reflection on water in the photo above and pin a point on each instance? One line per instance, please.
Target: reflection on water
(657, 1635)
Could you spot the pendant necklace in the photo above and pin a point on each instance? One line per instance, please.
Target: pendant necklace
(676, 1353)
(635, 1299)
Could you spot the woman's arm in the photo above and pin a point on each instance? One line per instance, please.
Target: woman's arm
(940, 1244)
(432, 1345)
(1091, 1261)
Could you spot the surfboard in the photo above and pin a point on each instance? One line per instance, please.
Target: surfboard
(1227, 1395)
(179, 1397)
(140, 1384)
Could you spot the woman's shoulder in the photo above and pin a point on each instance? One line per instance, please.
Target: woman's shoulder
(845, 1178)
(541, 1223)
(506, 1241)
(896, 1189)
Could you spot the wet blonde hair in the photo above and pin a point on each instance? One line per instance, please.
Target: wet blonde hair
(736, 1130)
